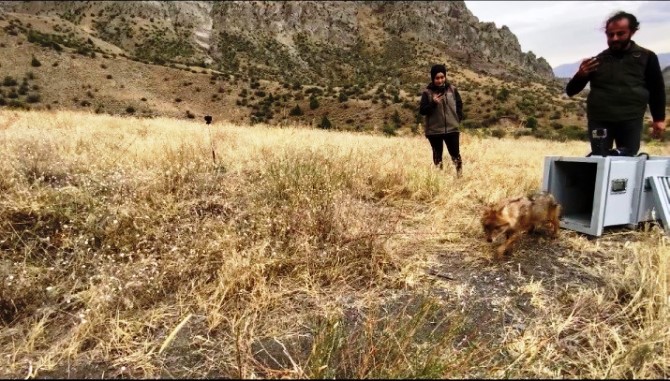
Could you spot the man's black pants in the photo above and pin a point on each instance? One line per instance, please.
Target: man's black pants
(626, 134)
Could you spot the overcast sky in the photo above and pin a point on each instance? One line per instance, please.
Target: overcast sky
(567, 31)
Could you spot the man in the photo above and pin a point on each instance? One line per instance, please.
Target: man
(625, 78)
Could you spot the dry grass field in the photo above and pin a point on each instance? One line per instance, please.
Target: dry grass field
(128, 250)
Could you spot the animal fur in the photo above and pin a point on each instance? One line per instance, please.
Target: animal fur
(516, 216)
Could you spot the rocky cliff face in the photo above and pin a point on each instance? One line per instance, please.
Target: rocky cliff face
(305, 40)
(375, 27)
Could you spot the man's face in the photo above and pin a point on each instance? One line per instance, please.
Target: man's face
(618, 35)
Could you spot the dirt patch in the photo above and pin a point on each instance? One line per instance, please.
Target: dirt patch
(495, 295)
(83, 371)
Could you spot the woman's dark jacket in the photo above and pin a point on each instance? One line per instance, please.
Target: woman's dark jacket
(444, 116)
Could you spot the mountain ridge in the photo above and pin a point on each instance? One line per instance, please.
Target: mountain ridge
(228, 34)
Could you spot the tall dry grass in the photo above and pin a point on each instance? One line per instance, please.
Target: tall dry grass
(126, 250)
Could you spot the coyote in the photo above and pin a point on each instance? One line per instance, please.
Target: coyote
(517, 216)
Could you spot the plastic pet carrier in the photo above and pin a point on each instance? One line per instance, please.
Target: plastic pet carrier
(600, 191)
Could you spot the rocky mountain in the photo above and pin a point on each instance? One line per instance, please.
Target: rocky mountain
(340, 41)
(361, 64)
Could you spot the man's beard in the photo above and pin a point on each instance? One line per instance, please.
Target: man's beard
(618, 46)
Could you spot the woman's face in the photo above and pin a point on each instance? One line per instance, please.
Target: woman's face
(439, 79)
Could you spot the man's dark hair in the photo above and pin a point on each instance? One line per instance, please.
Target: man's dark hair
(633, 24)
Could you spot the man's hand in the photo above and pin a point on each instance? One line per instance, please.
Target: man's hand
(657, 129)
(436, 97)
(588, 66)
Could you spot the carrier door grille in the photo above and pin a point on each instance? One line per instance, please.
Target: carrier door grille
(661, 187)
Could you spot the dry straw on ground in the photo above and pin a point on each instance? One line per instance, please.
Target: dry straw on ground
(127, 251)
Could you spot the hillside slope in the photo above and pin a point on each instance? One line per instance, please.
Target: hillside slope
(349, 65)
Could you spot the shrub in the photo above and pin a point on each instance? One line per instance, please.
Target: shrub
(15, 103)
(503, 94)
(471, 124)
(130, 110)
(498, 133)
(9, 81)
(109, 76)
(190, 115)
(531, 122)
(520, 133)
(325, 123)
(397, 121)
(388, 129)
(313, 103)
(542, 134)
(33, 98)
(574, 132)
(489, 121)
(296, 111)
(35, 62)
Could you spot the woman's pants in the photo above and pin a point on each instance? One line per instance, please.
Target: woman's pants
(452, 142)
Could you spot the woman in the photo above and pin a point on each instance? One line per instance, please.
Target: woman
(443, 108)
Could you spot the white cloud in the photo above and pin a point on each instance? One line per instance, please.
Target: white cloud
(567, 31)
(654, 12)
